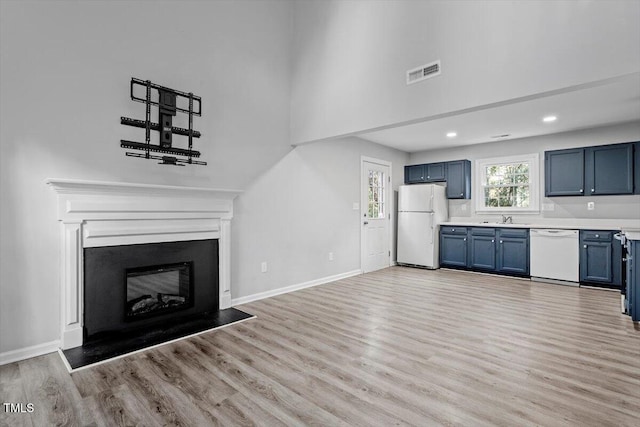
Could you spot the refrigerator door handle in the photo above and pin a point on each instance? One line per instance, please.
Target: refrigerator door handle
(433, 230)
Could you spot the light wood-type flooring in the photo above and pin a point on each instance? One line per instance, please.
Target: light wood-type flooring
(400, 346)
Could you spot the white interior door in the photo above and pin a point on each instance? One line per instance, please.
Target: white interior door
(375, 215)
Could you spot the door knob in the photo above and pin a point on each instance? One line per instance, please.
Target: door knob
(366, 222)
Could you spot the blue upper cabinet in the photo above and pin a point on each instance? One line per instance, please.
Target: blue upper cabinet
(636, 167)
(435, 172)
(593, 171)
(459, 179)
(414, 174)
(457, 175)
(609, 169)
(564, 172)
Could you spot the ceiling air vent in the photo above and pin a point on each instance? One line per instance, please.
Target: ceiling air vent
(423, 72)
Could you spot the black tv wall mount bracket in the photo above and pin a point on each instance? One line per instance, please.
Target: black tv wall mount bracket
(167, 108)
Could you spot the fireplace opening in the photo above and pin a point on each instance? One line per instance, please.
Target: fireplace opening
(159, 289)
(144, 286)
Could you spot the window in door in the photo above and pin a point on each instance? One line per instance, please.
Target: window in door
(376, 208)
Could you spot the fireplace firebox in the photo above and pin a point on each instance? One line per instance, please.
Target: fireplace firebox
(159, 289)
(132, 287)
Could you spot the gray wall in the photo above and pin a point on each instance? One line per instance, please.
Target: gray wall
(65, 68)
(300, 210)
(64, 79)
(606, 207)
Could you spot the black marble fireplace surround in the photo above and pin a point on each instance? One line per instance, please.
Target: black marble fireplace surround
(105, 283)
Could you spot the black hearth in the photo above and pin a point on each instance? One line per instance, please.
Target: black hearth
(137, 287)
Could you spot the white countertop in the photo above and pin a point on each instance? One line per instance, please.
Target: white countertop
(632, 233)
(626, 225)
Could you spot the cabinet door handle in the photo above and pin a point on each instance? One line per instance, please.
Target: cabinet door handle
(581, 190)
(464, 240)
(597, 235)
(461, 194)
(428, 176)
(585, 246)
(453, 229)
(501, 241)
(593, 190)
(492, 240)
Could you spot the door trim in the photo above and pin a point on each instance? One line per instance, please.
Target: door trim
(390, 202)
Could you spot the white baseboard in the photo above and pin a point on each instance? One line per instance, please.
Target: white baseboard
(287, 289)
(29, 352)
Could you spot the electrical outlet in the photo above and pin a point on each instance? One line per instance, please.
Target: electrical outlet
(263, 267)
(591, 206)
(330, 256)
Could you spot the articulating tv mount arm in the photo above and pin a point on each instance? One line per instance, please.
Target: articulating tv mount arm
(167, 109)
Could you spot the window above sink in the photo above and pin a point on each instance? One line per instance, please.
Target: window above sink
(507, 184)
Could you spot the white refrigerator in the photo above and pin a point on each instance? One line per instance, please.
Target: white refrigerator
(421, 209)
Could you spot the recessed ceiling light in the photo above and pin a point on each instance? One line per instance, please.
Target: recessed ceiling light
(452, 135)
(549, 119)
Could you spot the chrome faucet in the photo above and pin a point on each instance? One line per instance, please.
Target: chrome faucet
(507, 219)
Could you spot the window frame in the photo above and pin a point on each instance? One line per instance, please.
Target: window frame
(534, 183)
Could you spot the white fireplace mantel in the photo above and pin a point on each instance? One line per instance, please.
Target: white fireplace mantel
(95, 213)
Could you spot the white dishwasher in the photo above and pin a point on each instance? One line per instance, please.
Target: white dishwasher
(554, 254)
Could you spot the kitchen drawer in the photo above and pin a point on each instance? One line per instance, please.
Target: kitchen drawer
(453, 230)
(514, 232)
(483, 231)
(597, 236)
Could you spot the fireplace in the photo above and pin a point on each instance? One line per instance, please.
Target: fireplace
(132, 287)
(126, 227)
(152, 291)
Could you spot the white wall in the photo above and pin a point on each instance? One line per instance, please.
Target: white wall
(350, 57)
(607, 207)
(64, 80)
(299, 211)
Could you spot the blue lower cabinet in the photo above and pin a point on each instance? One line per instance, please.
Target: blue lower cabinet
(453, 247)
(482, 249)
(597, 262)
(600, 258)
(633, 280)
(487, 249)
(513, 255)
